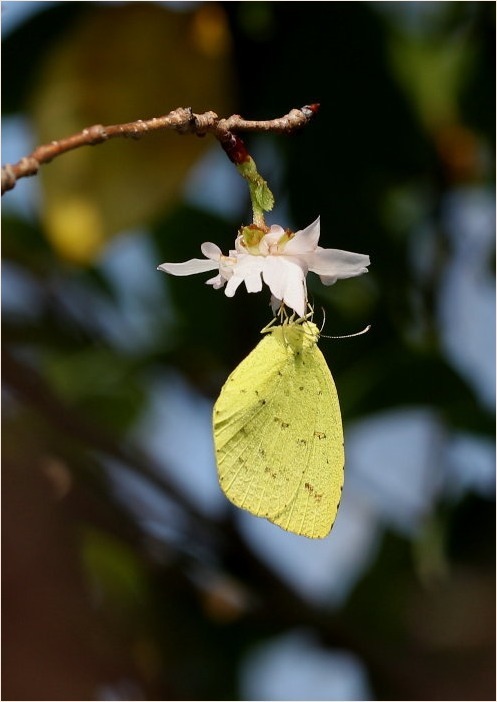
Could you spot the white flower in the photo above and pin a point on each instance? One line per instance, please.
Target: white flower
(280, 258)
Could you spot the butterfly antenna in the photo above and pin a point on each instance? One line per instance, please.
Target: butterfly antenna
(348, 336)
(324, 320)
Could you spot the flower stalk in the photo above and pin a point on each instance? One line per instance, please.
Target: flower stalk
(261, 196)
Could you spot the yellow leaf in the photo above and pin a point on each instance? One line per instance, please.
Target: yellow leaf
(119, 64)
(75, 229)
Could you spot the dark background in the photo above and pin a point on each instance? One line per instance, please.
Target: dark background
(96, 604)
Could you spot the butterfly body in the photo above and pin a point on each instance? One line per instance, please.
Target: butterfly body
(278, 433)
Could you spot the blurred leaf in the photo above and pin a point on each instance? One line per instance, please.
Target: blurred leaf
(478, 93)
(389, 595)
(24, 49)
(392, 376)
(472, 517)
(118, 65)
(24, 243)
(99, 382)
(432, 71)
(114, 568)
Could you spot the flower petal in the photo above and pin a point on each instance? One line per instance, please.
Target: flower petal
(295, 295)
(232, 285)
(217, 282)
(286, 280)
(247, 268)
(211, 250)
(253, 282)
(194, 265)
(304, 241)
(333, 264)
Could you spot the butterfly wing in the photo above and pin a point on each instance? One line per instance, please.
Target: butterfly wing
(278, 433)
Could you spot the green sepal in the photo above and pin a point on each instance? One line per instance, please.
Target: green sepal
(260, 194)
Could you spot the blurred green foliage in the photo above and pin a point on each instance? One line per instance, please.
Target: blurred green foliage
(407, 115)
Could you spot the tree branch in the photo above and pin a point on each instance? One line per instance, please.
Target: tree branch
(182, 120)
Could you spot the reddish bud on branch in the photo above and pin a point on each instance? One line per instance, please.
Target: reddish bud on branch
(234, 148)
(311, 109)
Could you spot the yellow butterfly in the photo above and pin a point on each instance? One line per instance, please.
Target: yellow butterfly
(278, 432)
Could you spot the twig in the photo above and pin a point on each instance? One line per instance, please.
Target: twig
(182, 120)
